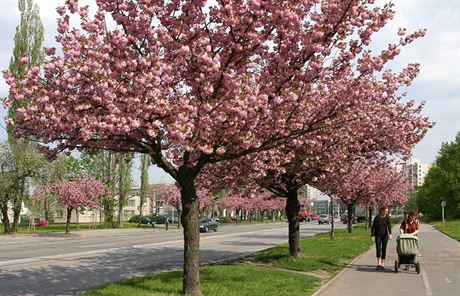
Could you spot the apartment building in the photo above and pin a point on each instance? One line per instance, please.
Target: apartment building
(414, 170)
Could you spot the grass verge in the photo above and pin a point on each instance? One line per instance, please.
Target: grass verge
(81, 226)
(269, 272)
(320, 253)
(217, 280)
(449, 227)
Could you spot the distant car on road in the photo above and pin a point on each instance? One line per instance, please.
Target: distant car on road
(323, 219)
(314, 217)
(344, 219)
(303, 215)
(207, 224)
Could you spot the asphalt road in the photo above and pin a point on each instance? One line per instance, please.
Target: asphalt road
(440, 271)
(53, 264)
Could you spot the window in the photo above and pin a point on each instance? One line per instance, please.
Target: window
(59, 214)
(131, 203)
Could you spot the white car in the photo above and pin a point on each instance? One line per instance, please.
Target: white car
(323, 218)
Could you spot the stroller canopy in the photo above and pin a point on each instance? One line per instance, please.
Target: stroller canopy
(407, 245)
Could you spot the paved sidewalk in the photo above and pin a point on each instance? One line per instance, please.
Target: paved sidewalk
(439, 276)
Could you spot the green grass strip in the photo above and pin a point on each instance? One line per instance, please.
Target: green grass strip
(217, 280)
(449, 227)
(320, 253)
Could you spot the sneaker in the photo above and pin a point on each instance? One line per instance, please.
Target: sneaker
(379, 267)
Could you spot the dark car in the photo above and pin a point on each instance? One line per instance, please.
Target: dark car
(161, 220)
(145, 220)
(207, 224)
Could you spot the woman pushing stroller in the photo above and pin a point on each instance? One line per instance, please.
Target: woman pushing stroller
(410, 224)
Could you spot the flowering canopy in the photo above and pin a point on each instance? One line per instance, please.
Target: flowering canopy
(171, 196)
(81, 192)
(203, 84)
(367, 182)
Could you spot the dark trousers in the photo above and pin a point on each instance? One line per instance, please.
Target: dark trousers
(381, 242)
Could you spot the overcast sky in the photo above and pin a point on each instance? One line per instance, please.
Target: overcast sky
(438, 52)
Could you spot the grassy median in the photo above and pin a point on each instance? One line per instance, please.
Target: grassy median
(269, 272)
(449, 227)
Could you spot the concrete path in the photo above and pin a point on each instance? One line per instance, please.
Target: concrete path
(439, 276)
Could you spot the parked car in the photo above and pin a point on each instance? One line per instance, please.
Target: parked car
(172, 220)
(314, 217)
(145, 220)
(25, 221)
(323, 219)
(344, 219)
(161, 220)
(303, 215)
(42, 223)
(207, 224)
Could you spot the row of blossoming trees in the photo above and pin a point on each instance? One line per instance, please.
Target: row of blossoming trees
(237, 94)
(250, 203)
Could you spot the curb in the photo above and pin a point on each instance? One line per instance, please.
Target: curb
(328, 283)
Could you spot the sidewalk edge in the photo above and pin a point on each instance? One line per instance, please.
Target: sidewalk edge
(329, 282)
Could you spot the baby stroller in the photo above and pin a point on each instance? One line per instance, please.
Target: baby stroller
(407, 249)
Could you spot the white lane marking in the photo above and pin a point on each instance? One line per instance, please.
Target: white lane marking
(428, 291)
(94, 252)
(448, 281)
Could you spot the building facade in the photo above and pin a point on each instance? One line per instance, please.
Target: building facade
(152, 205)
(414, 171)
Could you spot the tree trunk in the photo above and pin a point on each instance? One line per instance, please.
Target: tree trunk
(5, 218)
(46, 210)
(16, 216)
(179, 220)
(189, 219)
(369, 222)
(77, 213)
(292, 210)
(67, 225)
(120, 211)
(366, 216)
(350, 218)
(332, 218)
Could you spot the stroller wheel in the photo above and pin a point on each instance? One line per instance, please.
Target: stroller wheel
(396, 266)
(417, 267)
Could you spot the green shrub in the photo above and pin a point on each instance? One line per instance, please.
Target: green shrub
(226, 219)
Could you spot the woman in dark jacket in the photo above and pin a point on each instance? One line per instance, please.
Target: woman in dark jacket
(381, 232)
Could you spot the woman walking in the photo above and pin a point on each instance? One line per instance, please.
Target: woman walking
(381, 232)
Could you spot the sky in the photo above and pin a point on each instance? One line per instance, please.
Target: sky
(438, 83)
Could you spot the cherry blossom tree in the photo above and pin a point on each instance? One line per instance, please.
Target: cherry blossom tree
(170, 196)
(192, 83)
(366, 182)
(82, 192)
